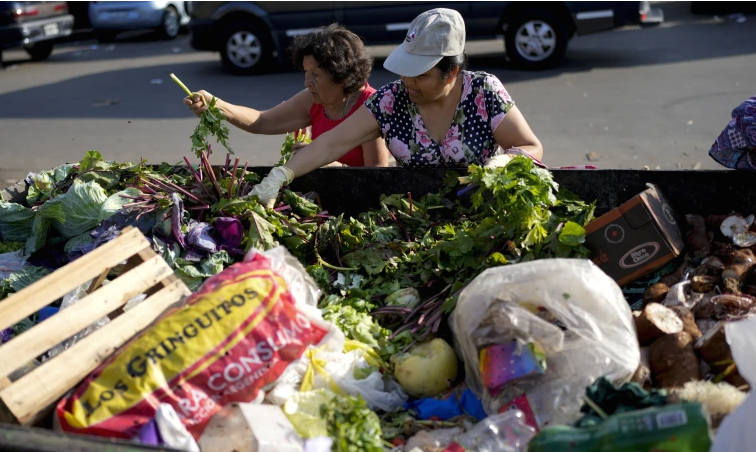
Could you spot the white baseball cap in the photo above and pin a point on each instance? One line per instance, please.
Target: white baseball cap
(431, 36)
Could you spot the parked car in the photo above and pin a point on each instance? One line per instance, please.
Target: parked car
(108, 18)
(250, 36)
(33, 26)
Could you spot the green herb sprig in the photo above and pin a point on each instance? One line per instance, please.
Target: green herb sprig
(211, 123)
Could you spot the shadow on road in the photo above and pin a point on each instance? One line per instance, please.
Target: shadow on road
(82, 46)
(128, 93)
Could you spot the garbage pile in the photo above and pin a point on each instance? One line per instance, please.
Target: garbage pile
(442, 323)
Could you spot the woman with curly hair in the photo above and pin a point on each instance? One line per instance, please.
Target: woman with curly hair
(336, 68)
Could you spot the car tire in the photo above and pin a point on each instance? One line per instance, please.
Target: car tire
(171, 23)
(105, 37)
(536, 39)
(246, 48)
(39, 51)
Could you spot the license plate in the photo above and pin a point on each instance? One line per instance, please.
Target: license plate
(51, 29)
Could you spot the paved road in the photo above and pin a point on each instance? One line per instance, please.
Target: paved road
(630, 98)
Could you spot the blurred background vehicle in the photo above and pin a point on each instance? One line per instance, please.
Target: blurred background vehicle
(110, 18)
(33, 26)
(250, 36)
(722, 7)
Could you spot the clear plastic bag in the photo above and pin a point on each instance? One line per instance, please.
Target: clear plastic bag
(503, 432)
(736, 433)
(11, 263)
(70, 299)
(566, 317)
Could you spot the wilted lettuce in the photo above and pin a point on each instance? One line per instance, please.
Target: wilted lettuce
(76, 211)
(41, 185)
(194, 274)
(116, 202)
(15, 222)
(26, 277)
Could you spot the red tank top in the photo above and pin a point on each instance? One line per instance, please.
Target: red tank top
(321, 124)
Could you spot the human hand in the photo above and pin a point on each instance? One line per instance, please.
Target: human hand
(198, 102)
(297, 146)
(267, 190)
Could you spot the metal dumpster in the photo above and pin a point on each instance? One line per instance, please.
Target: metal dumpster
(354, 190)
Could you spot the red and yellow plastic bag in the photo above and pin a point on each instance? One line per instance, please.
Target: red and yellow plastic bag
(231, 341)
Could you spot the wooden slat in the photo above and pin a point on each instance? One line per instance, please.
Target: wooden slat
(43, 292)
(75, 318)
(43, 386)
(98, 281)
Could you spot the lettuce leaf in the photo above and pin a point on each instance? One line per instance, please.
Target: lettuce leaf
(26, 277)
(76, 211)
(116, 202)
(15, 222)
(194, 274)
(38, 237)
(42, 185)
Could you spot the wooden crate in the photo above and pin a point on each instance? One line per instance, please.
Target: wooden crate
(27, 399)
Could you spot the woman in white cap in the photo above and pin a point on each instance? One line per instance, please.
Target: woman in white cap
(438, 114)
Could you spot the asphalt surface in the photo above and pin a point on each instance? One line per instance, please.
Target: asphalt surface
(628, 98)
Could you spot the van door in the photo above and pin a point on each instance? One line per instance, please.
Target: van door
(388, 22)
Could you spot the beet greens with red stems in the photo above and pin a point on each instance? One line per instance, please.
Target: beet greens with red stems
(201, 219)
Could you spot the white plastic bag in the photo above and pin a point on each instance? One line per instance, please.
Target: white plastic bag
(11, 263)
(336, 372)
(173, 433)
(570, 309)
(379, 393)
(736, 433)
(300, 284)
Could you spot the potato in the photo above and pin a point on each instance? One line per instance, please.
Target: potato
(689, 321)
(704, 283)
(642, 374)
(655, 321)
(714, 349)
(655, 293)
(739, 264)
(673, 361)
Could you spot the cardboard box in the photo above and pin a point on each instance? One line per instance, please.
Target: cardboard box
(636, 238)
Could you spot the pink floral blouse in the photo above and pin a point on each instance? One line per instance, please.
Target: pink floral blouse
(470, 139)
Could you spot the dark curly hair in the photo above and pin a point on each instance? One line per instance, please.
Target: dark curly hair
(338, 51)
(448, 63)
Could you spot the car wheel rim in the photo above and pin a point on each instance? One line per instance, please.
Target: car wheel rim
(171, 23)
(535, 40)
(244, 49)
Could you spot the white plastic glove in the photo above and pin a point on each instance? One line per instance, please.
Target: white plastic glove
(267, 190)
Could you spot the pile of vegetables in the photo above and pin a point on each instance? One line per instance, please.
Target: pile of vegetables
(390, 275)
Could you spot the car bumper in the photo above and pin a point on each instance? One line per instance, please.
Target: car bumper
(203, 35)
(27, 33)
(620, 15)
(133, 18)
(654, 16)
